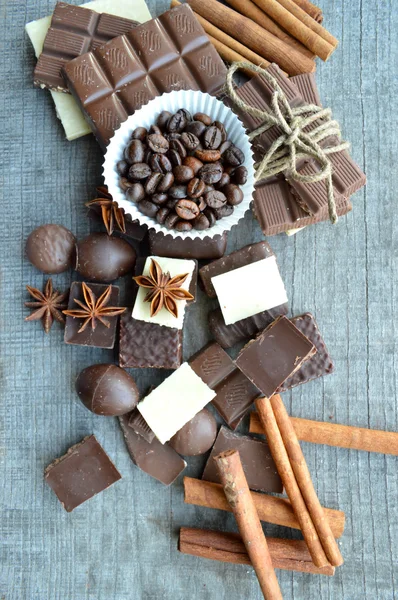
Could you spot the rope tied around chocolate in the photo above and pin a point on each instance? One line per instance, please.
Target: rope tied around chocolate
(294, 143)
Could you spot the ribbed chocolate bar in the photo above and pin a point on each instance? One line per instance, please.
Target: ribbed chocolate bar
(208, 248)
(74, 30)
(165, 54)
(137, 422)
(307, 87)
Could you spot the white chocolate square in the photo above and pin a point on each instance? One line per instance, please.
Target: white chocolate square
(174, 266)
(249, 290)
(67, 110)
(175, 402)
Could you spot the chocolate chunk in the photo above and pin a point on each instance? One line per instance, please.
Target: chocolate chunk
(84, 471)
(100, 257)
(140, 426)
(51, 248)
(208, 248)
(212, 364)
(197, 436)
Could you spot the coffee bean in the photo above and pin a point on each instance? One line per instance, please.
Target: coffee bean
(183, 226)
(158, 143)
(215, 199)
(162, 214)
(201, 203)
(163, 119)
(174, 158)
(186, 113)
(136, 192)
(125, 184)
(160, 163)
(173, 136)
(194, 163)
(183, 174)
(152, 183)
(233, 193)
(208, 188)
(230, 170)
(171, 220)
(234, 156)
(240, 175)
(122, 167)
(187, 209)
(195, 188)
(135, 152)
(211, 173)
(139, 133)
(171, 202)
(155, 129)
(166, 182)
(208, 156)
(189, 140)
(148, 156)
(225, 179)
(222, 129)
(224, 146)
(148, 208)
(209, 213)
(203, 118)
(179, 147)
(177, 122)
(139, 171)
(223, 211)
(196, 127)
(201, 222)
(160, 199)
(178, 191)
(212, 138)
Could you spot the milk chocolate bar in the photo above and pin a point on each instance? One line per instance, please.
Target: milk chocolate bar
(165, 54)
(307, 87)
(208, 248)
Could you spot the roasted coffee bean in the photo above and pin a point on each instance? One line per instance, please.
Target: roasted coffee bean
(158, 143)
(187, 209)
(179, 147)
(212, 138)
(136, 192)
(177, 122)
(225, 180)
(224, 146)
(233, 193)
(208, 156)
(223, 211)
(196, 127)
(203, 118)
(171, 220)
(174, 158)
(160, 199)
(159, 163)
(148, 156)
(139, 171)
(189, 140)
(139, 133)
(211, 173)
(208, 188)
(186, 113)
(215, 199)
(201, 203)
(166, 182)
(183, 226)
(201, 223)
(194, 163)
(155, 130)
(162, 214)
(178, 191)
(221, 127)
(173, 136)
(125, 184)
(183, 174)
(209, 213)
(122, 167)
(230, 170)
(240, 176)
(148, 208)
(195, 188)
(135, 152)
(171, 202)
(152, 183)
(234, 156)
(163, 119)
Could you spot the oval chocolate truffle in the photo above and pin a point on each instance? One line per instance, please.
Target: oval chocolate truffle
(100, 257)
(197, 436)
(51, 248)
(107, 390)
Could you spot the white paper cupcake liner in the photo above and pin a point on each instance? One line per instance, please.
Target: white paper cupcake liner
(145, 117)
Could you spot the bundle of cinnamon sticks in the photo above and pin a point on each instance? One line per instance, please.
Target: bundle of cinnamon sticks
(286, 32)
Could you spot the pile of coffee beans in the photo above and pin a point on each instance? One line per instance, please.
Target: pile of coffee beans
(183, 172)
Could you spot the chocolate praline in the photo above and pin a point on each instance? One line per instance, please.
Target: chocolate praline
(107, 390)
(51, 248)
(100, 257)
(197, 436)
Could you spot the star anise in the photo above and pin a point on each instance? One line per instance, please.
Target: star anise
(164, 290)
(92, 309)
(48, 305)
(112, 215)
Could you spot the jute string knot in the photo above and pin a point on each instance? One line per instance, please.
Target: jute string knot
(293, 144)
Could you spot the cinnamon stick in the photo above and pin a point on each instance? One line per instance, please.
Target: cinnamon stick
(253, 36)
(314, 11)
(304, 481)
(290, 555)
(305, 18)
(269, 508)
(340, 436)
(311, 34)
(285, 471)
(238, 495)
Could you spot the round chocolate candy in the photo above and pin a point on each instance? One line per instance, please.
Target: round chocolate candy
(100, 257)
(107, 390)
(197, 436)
(51, 248)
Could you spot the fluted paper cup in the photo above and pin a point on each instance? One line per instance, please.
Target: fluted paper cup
(145, 117)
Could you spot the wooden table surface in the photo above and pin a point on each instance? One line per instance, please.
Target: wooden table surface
(122, 545)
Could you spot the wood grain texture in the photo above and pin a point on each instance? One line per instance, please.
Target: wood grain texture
(123, 544)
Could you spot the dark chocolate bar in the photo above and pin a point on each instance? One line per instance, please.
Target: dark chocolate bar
(212, 364)
(208, 248)
(257, 462)
(165, 54)
(74, 30)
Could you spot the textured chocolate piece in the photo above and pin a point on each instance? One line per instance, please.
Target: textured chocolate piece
(51, 248)
(274, 355)
(158, 460)
(318, 365)
(139, 268)
(169, 53)
(229, 335)
(74, 30)
(84, 471)
(240, 258)
(140, 426)
(212, 364)
(257, 462)
(148, 345)
(307, 88)
(197, 436)
(101, 336)
(206, 249)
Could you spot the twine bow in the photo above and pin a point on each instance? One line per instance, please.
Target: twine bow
(294, 143)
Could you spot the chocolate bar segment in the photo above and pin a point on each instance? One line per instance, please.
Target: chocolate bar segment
(257, 462)
(274, 355)
(212, 364)
(169, 53)
(74, 30)
(208, 248)
(307, 88)
(139, 425)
